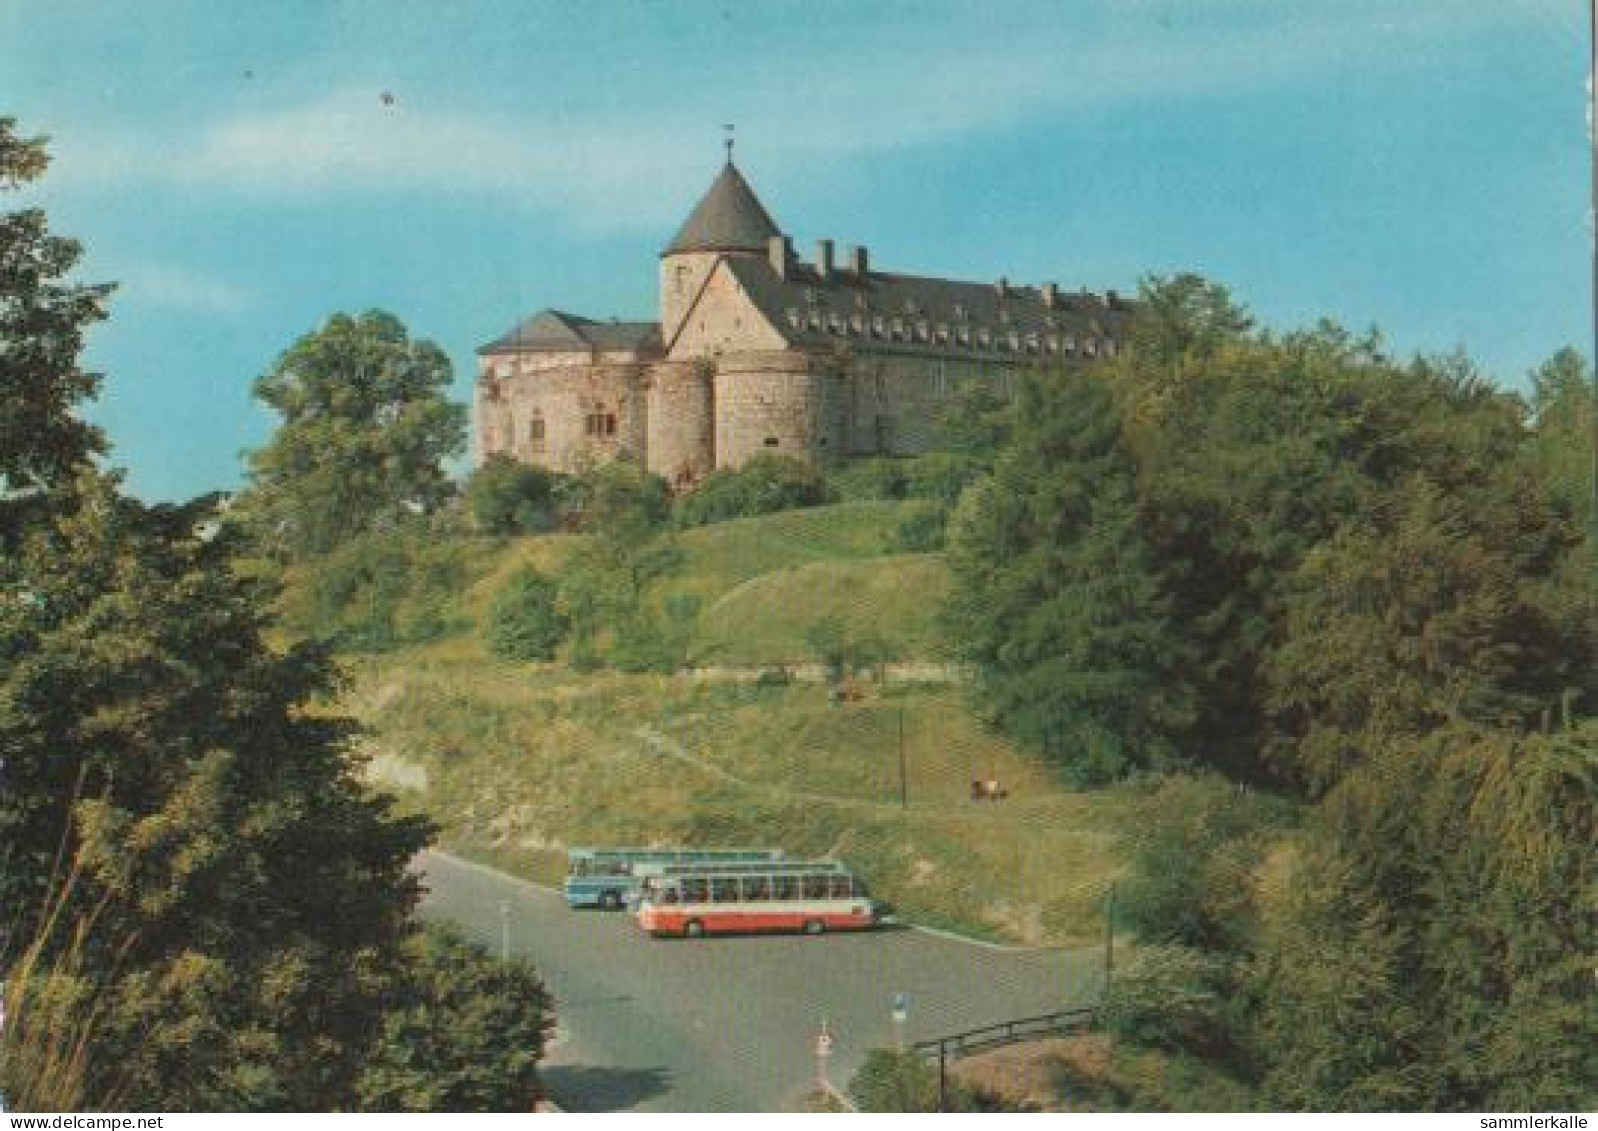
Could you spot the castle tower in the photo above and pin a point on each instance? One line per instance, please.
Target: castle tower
(728, 220)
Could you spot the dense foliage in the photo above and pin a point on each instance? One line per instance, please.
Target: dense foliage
(1364, 585)
(466, 1033)
(765, 484)
(1247, 552)
(525, 620)
(505, 496)
(202, 906)
(365, 430)
(43, 319)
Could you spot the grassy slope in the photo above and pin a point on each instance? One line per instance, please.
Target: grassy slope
(521, 760)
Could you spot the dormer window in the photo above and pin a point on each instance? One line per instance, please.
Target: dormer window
(1090, 347)
(985, 337)
(962, 334)
(1032, 343)
(1070, 345)
(879, 326)
(1109, 347)
(898, 328)
(794, 319)
(959, 312)
(922, 330)
(942, 333)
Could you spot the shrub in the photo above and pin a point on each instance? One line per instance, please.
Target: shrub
(525, 621)
(508, 497)
(767, 483)
(1170, 997)
(466, 1035)
(922, 530)
(1194, 848)
(381, 590)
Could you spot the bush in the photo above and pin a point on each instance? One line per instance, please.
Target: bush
(1194, 848)
(525, 621)
(381, 590)
(767, 483)
(508, 497)
(895, 1081)
(467, 1034)
(1170, 997)
(616, 498)
(922, 530)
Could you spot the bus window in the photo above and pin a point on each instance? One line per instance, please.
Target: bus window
(842, 888)
(785, 887)
(815, 887)
(695, 891)
(670, 894)
(724, 890)
(757, 888)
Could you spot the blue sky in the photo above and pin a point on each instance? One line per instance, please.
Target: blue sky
(1420, 166)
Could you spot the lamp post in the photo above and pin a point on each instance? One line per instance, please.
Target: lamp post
(504, 930)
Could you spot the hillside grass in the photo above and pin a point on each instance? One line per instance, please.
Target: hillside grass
(515, 762)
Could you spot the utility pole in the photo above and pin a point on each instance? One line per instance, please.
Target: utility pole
(904, 778)
(1109, 933)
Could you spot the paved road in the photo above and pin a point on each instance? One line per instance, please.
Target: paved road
(728, 1024)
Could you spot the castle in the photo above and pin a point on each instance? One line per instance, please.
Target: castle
(757, 351)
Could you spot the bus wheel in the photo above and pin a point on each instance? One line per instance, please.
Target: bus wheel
(814, 926)
(610, 900)
(693, 929)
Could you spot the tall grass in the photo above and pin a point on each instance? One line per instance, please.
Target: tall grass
(55, 1006)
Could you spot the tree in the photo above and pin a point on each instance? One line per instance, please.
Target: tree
(1056, 599)
(42, 324)
(525, 621)
(365, 429)
(1420, 613)
(1562, 440)
(467, 1036)
(246, 894)
(1434, 948)
(506, 496)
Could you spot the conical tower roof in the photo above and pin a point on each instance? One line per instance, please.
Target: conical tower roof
(729, 217)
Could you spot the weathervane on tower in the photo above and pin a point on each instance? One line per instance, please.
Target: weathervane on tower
(728, 142)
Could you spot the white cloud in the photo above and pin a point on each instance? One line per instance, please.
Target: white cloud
(167, 286)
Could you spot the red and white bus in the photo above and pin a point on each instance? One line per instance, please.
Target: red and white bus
(813, 896)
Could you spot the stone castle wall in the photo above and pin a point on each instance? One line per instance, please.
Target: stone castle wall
(565, 411)
(776, 402)
(682, 421)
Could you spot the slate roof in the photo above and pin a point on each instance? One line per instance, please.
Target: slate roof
(555, 330)
(729, 217)
(884, 312)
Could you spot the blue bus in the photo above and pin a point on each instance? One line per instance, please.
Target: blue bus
(611, 877)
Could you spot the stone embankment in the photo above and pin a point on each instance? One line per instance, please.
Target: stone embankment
(818, 673)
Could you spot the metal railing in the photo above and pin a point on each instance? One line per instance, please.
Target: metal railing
(957, 1045)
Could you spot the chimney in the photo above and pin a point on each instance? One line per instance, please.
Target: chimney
(1051, 296)
(780, 251)
(858, 261)
(824, 260)
(1113, 300)
(1002, 286)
